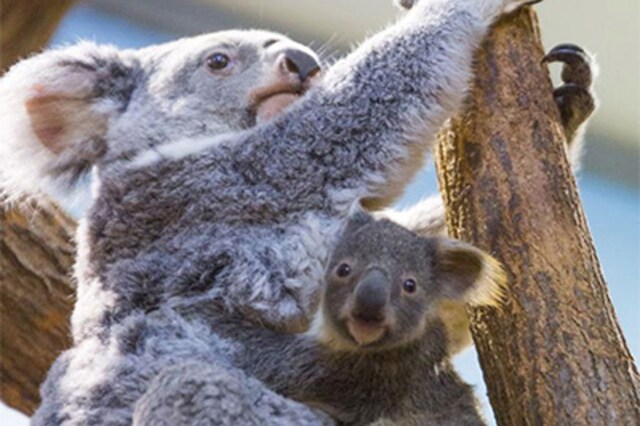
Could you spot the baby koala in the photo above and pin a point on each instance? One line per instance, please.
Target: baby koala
(377, 351)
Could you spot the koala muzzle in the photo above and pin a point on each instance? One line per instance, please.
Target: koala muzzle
(299, 62)
(371, 297)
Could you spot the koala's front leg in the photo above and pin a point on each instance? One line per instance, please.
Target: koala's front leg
(363, 131)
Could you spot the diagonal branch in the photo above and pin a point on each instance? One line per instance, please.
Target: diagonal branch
(36, 250)
(555, 353)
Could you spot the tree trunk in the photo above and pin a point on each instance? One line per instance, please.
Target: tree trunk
(554, 354)
(36, 299)
(36, 248)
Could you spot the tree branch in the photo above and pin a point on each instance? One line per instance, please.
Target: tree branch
(36, 299)
(555, 353)
(36, 249)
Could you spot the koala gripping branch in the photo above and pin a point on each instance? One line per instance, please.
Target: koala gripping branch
(554, 354)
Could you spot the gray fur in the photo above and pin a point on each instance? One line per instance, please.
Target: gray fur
(195, 205)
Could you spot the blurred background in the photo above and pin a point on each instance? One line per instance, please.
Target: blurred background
(610, 179)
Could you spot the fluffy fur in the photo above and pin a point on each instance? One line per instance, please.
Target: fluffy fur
(244, 220)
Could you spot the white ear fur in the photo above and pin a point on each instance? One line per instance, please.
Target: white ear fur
(45, 107)
(489, 288)
(481, 278)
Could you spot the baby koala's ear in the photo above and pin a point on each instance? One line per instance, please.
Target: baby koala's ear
(55, 109)
(467, 274)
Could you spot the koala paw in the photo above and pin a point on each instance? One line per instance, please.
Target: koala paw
(574, 97)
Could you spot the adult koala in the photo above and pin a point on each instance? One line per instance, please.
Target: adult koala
(202, 199)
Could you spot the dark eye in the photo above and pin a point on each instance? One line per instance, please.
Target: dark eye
(218, 61)
(409, 286)
(343, 270)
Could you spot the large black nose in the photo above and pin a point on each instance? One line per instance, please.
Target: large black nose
(301, 63)
(371, 297)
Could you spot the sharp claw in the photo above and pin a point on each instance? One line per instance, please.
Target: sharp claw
(568, 46)
(577, 64)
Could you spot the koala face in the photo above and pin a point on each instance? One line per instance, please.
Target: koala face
(72, 108)
(233, 78)
(383, 283)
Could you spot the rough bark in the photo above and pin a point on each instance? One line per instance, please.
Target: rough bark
(36, 250)
(555, 353)
(36, 299)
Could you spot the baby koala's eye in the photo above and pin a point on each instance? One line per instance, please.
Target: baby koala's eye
(409, 286)
(343, 270)
(218, 61)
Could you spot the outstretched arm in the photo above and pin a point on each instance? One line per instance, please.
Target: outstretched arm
(363, 130)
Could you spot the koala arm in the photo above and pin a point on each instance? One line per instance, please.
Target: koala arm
(362, 130)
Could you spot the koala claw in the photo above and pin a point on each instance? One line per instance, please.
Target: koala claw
(577, 64)
(574, 98)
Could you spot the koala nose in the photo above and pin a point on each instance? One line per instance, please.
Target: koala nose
(300, 62)
(371, 297)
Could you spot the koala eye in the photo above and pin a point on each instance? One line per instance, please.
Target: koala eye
(343, 270)
(409, 286)
(218, 61)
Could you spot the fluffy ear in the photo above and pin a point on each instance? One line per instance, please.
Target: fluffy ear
(54, 114)
(467, 274)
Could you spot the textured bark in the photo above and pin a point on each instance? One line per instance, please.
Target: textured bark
(26, 26)
(555, 353)
(36, 249)
(36, 299)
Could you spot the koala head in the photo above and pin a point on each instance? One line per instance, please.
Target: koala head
(384, 283)
(67, 109)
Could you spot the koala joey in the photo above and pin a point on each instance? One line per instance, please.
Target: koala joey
(223, 167)
(378, 350)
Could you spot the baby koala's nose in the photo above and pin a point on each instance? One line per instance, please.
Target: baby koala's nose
(299, 62)
(371, 297)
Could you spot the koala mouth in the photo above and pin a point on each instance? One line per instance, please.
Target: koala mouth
(270, 101)
(365, 333)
